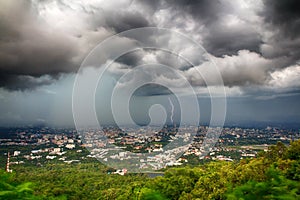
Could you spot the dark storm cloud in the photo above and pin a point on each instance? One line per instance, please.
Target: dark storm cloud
(125, 21)
(28, 50)
(285, 15)
(223, 40)
(23, 82)
(219, 38)
(149, 5)
(283, 19)
(152, 90)
(31, 49)
(132, 58)
(206, 11)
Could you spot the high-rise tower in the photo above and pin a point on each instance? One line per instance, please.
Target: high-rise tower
(7, 163)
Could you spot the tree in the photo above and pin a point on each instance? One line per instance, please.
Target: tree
(276, 151)
(11, 190)
(276, 186)
(293, 152)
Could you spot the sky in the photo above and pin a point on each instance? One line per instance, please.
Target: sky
(253, 44)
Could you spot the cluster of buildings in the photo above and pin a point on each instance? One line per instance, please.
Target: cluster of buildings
(144, 148)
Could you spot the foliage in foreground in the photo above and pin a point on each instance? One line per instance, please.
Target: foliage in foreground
(12, 190)
(273, 175)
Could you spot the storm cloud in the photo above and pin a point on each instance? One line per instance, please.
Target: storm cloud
(30, 50)
(250, 41)
(34, 48)
(283, 21)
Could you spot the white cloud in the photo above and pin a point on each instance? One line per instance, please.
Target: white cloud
(246, 68)
(286, 78)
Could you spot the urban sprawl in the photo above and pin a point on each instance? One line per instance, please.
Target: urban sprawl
(137, 149)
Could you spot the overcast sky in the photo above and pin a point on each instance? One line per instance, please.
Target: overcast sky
(254, 44)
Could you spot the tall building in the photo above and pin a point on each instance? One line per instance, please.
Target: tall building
(7, 163)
